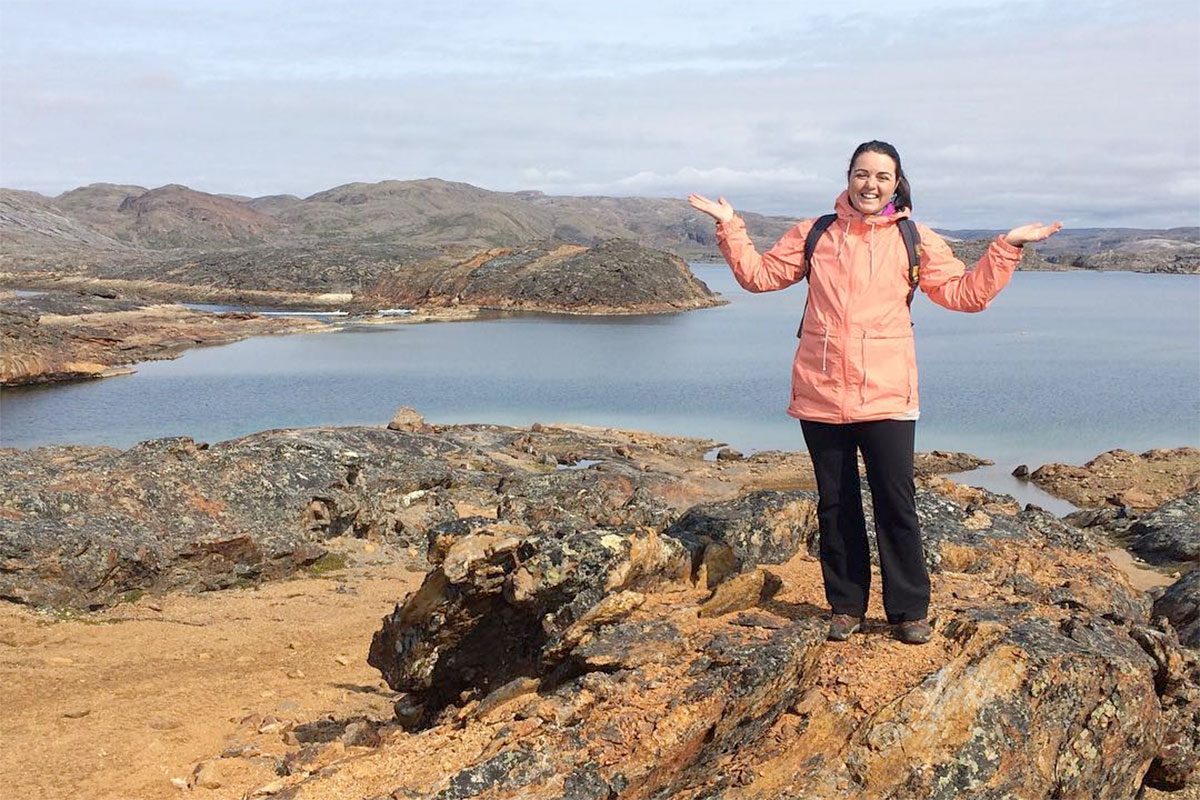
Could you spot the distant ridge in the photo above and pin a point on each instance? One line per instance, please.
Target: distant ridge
(425, 212)
(1095, 240)
(107, 222)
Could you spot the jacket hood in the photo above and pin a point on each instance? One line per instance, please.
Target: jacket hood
(846, 211)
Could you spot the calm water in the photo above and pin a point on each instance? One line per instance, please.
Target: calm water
(1061, 367)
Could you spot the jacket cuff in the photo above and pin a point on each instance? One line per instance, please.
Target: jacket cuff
(1007, 249)
(735, 225)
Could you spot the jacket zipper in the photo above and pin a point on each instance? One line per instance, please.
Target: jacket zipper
(862, 384)
(846, 325)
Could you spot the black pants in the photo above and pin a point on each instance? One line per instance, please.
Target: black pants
(887, 449)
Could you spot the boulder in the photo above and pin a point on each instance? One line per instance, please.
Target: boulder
(1170, 533)
(407, 419)
(756, 528)
(498, 606)
(1180, 604)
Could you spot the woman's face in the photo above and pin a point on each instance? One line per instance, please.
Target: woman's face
(872, 182)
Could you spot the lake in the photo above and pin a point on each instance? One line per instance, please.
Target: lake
(1061, 367)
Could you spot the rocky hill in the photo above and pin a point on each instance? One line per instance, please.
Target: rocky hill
(33, 227)
(168, 217)
(429, 213)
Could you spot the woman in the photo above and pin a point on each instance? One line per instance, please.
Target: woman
(854, 378)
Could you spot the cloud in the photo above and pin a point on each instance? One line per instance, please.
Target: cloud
(1002, 112)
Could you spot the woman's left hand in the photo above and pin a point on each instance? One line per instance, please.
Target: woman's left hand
(1034, 232)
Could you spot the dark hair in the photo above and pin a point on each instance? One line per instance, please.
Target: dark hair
(903, 191)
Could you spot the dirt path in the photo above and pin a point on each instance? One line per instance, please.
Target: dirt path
(117, 704)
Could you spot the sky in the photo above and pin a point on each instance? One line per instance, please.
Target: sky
(1003, 112)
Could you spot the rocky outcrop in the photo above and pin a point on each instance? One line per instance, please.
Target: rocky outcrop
(616, 663)
(941, 461)
(145, 290)
(406, 418)
(1167, 540)
(536, 598)
(83, 526)
(616, 276)
(610, 614)
(612, 277)
(1164, 256)
(1121, 478)
(1147, 503)
(29, 354)
(61, 337)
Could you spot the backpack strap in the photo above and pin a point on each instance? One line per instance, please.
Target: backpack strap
(912, 243)
(820, 225)
(814, 233)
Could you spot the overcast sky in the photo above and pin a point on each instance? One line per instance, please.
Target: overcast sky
(1003, 112)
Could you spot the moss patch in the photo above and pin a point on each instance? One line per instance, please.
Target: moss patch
(133, 595)
(330, 562)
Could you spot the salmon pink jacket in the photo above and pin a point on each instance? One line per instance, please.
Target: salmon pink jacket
(856, 360)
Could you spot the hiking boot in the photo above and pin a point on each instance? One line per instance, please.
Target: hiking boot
(914, 631)
(842, 625)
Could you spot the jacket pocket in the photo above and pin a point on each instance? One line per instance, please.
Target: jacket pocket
(888, 373)
(813, 369)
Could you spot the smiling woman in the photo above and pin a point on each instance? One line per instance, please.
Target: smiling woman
(854, 374)
(877, 179)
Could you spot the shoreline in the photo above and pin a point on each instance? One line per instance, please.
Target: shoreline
(49, 364)
(272, 304)
(81, 344)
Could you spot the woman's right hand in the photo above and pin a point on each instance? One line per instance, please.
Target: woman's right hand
(721, 211)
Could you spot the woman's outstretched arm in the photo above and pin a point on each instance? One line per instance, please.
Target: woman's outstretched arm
(946, 280)
(778, 268)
